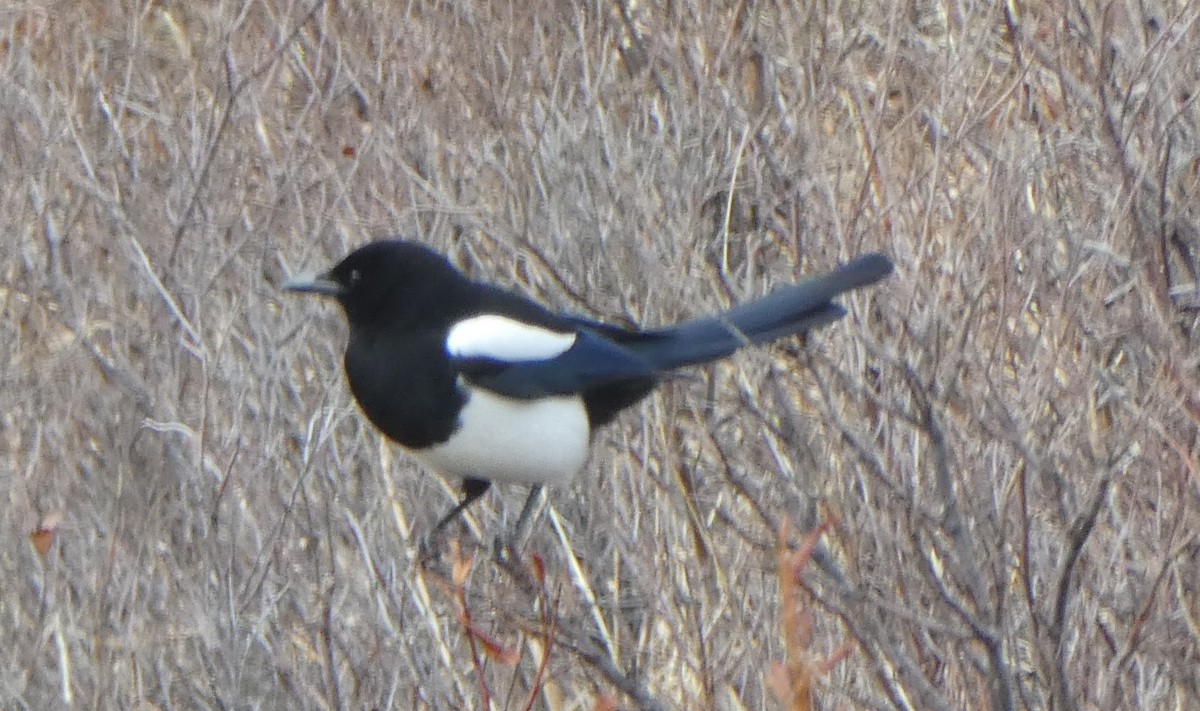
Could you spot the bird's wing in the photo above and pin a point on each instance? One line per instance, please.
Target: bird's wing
(526, 361)
(562, 355)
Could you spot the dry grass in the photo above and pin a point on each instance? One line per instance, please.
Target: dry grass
(1006, 431)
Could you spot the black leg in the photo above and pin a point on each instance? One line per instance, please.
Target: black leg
(472, 489)
(525, 520)
(512, 547)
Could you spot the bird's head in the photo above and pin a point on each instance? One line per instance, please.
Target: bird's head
(381, 281)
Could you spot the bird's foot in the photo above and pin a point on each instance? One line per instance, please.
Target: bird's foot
(505, 550)
(429, 547)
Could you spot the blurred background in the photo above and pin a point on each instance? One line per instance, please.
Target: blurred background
(1000, 441)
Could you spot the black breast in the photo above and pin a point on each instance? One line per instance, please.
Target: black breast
(405, 386)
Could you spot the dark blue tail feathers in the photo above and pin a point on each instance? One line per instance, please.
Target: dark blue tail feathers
(786, 311)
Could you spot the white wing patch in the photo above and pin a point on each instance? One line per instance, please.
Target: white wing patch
(505, 339)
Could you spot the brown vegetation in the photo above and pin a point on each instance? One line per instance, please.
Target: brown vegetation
(1005, 431)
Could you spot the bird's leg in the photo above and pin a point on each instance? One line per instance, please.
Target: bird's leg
(513, 545)
(472, 489)
(525, 520)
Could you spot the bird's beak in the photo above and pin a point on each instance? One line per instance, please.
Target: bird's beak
(320, 283)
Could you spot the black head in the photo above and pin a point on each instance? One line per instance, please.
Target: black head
(383, 281)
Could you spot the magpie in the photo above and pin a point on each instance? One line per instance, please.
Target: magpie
(483, 384)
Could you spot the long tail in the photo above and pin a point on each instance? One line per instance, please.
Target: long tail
(786, 311)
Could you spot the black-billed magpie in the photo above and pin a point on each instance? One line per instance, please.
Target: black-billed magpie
(481, 383)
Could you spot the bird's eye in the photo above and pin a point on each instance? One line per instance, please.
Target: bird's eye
(355, 277)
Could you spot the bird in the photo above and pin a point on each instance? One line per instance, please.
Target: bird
(481, 383)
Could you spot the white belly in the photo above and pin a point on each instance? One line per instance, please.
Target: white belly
(525, 441)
